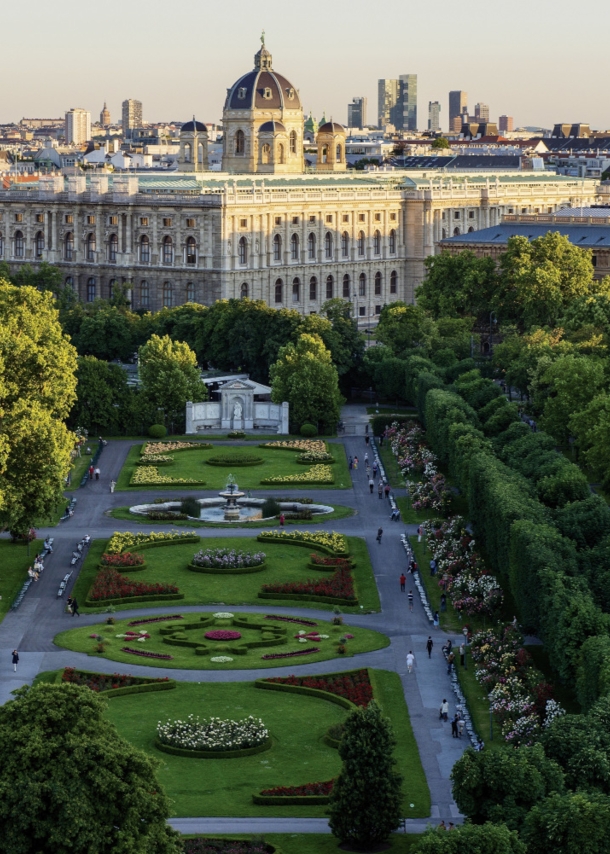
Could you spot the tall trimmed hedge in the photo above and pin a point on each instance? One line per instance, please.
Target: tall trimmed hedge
(464, 442)
(593, 671)
(414, 367)
(444, 409)
(426, 381)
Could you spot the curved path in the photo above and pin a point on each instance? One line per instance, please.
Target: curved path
(42, 615)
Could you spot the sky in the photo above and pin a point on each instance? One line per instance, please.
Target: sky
(540, 63)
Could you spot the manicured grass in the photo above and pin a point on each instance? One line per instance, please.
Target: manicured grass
(339, 512)
(390, 464)
(285, 563)
(209, 787)
(326, 843)
(14, 563)
(277, 463)
(80, 640)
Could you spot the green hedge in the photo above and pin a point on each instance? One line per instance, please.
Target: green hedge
(443, 410)
(213, 754)
(593, 671)
(157, 464)
(296, 483)
(310, 692)
(185, 627)
(290, 800)
(426, 382)
(135, 599)
(141, 689)
(200, 446)
(414, 367)
(234, 462)
(310, 597)
(464, 442)
(320, 568)
(216, 570)
(123, 569)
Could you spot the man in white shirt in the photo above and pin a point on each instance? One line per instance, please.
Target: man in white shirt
(410, 661)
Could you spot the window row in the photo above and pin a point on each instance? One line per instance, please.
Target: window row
(240, 146)
(329, 288)
(141, 293)
(329, 248)
(144, 253)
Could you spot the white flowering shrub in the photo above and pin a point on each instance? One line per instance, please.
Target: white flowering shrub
(213, 733)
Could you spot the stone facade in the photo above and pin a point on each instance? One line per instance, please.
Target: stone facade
(237, 410)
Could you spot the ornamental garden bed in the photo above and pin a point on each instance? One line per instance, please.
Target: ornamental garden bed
(227, 561)
(331, 543)
(115, 684)
(111, 587)
(234, 460)
(225, 845)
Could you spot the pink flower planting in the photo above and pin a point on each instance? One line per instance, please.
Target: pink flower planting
(308, 651)
(155, 620)
(222, 635)
(145, 654)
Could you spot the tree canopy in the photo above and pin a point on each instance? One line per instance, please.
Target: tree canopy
(170, 376)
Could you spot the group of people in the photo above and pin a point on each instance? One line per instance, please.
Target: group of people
(94, 470)
(36, 568)
(73, 606)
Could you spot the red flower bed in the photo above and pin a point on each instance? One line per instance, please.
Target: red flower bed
(324, 788)
(155, 620)
(287, 620)
(103, 681)
(222, 635)
(311, 636)
(125, 559)
(307, 651)
(339, 586)
(330, 561)
(353, 686)
(110, 584)
(145, 654)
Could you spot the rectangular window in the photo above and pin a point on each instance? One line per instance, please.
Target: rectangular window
(295, 220)
(377, 309)
(143, 220)
(362, 311)
(113, 220)
(278, 220)
(329, 218)
(312, 218)
(392, 216)
(69, 219)
(167, 221)
(190, 223)
(39, 217)
(345, 217)
(18, 217)
(456, 215)
(90, 219)
(243, 223)
(361, 217)
(470, 214)
(377, 217)
(313, 290)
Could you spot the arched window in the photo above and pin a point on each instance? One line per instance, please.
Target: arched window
(19, 244)
(39, 244)
(240, 143)
(339, 154)
(279, 286)
(280, 153)
(190, 291)
(456, 231)
(296, 290)
(392, 242)
(293, 142)
(294, 247)
(69, 282)
(378, 284)
(69, 247)
(265, 153)
(345, 245)
(393, 282)
(168, 250)
(187, 152)
(361, 244)
(313, 289)
(328, 245)
(377, 243)
(311, 247)
(242, 251)
(113, 247)
(200, 152)
(144, 294)
(471, 229)
(330, 287)
(168, 295)
(145, 249)
(90, 290)
(324, 154)
(191, 250)
(277, 247)
(243, 291)
(91, 247)
(362, 285)
(346, 286)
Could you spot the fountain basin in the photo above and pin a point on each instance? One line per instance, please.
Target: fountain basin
(248, 509)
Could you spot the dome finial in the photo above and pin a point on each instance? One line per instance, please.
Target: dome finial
(263, 58)
(263, 38)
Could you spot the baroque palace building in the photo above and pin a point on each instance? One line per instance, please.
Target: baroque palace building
(265, 227)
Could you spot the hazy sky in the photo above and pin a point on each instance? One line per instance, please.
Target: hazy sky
(539, 62)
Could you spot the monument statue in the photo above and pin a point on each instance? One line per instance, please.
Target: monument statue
(237, 410)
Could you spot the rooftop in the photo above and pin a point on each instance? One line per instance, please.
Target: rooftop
(587, 236)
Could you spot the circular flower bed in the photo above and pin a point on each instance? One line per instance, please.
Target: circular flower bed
(213, 734)
(228, 558)
(222, 635)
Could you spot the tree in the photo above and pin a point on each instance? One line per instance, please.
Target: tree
(573, 381)
(70, 784)
(591, 429)
(440, 142)
(567, 823)
(305, 376)
(470, 839)
(404, 327)
(580, 744)
(365, 804)
(102, 394)
(346, 344)
(107, 332)
(45, 277)
(170, 376)
(458, 285)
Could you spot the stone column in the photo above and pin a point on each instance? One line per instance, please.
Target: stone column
(189, 417)
(283, 427)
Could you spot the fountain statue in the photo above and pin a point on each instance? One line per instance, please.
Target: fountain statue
(231, 494)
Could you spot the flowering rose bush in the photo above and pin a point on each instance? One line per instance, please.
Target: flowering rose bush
(314, 446)
(355, 686)
(155, 620)
(209, 845)
(415, 458)
(213, 733)
(121, 541)
(145, 654)
(222, 635)
(100, 682)
(340, 585)
(332, 542)
(228, 558)
(316, 474)
(323, 788)
(110, 584)
(273, 655)
(149, 476)
(124, 559)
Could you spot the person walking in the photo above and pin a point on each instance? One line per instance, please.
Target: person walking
(444, 710)
(282, 520)
(379, 534)
(15, 660)
(435, 620)
(366, 458)
(429, 645)
(403, 581)
(443, 603)
(75, 607)
(355, 463)
(371, 484)
(432, 567)
(351, 464)
(462, 653)
(461, 724)
(375, 468)
(420, 532)
(367, 439)
(97, 473)
(410, 598)
(69, 604)
(454, 725)
(410, 661)
(91, 470)
(113, 484)
(380, 489)
(387, 489)
(450, 660)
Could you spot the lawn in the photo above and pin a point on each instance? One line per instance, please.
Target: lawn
(339, 512)
(326, 843)
(276, 463)
(224, 787)
(81, 640)
(14, 561)
(285, 563)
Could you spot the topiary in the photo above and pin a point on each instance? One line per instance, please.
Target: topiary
(157, 431)
(308, 430)
(190, 506)
(270, 508)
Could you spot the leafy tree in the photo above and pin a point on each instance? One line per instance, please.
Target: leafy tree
(305, 376)
(440, 142)
(181, 323)
(503, 785)
(580, 744)
(346, 344)
(45, 277)
(591, 429)
(470, 839)
(591, 310)
(402, 327)
(567, 823)
(573, 382)
(458, 285)
(106, 332)
(69, 783)
(169, 375)
(365, 804)
(102, 394)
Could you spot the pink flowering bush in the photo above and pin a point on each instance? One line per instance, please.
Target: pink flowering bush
(222, 635)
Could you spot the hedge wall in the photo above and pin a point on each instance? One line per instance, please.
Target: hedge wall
(290, 800)
(216, 570)
(443, 410)
(303, 689)
(128, 600)
(213, 754)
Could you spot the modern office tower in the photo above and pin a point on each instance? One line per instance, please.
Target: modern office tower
(506, 123)
(78, 126)
(105, 116)
(481, 112)
(434, 116)
(387, 100)
(132, 115)
(457, 108)
(407, 95)
(356, 113)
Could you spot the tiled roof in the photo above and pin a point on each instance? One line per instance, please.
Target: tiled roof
(585, 236)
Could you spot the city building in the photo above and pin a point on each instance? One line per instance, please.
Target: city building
(506, 124)
(131, 115)
(458, 101)
(565, 131)
(78, 126)
(356, 113)
(434, 116)
(387, 100)
(407, 94)
(105, 116)
(481, 112)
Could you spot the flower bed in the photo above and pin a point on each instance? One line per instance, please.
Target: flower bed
(297, 652)
(323, 788)
(155, 460)
(101, 682)
(289, 620)
(329, 564)
(306, 445)
(155, 620)
(333, 543)
(125, 559)
(152, 448)
(230, 460)
(339, 586)
(209, 845)
(228, 558)
(414, 457)
(166, 516)
(354, 686)
(121, 541)
(319, 474)
(222, 635)
(311, 794)
(213, 734)
(145, 654)
(149, 476)
(315, 457)
(110, 584)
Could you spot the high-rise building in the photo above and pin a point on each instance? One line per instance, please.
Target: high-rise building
(506, 123)
(387, 99)
(131, 115)
(105, 116)
(397, 102)
(458, 100)
(407, 95)
(356, 113)
(434, 116)
(481, 112)
(78, 126)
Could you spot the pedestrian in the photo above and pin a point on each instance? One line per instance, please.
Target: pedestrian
(450, 660)
(387, 490)
(420, 532)
(375, 468)
(451, 826)
(410, 598)
(366, 429)
(69, 604)
(366, 458)
(429, 645)
(91, 470)
(113, 484)
(442, 826)
(75, 607)
(371, 484)
(48, 546)
(432, 567)
(461, 725)
(97, 473)
(282, 520)
(403, 581)
(462, 653)
(443, 603)
(367, 439)
(454, 726)
(447, 647)
(15, 660)
(410, 661)
(380, 489)
(395, 515)
(413, 566)
(351, 463)
(444, 710)
(435, 620)
(381, 438)
(356, 463)
(379, 534)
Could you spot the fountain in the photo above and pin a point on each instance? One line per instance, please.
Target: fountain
(231, 493)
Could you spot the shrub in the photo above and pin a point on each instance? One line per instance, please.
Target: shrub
(213, 734)
(235, 460)
(379, 423)
(109, 584)
(122, 560)
(270, 508)
(190, 506)
(236, 434)
(157, 431)
(308, 430)
(165, 515)
(228, 558)
(315, 457)
(340, 585)
(354, 686)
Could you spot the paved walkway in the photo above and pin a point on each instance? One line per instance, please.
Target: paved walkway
(42, 615)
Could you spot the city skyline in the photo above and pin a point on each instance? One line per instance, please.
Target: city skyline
(518, 72)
